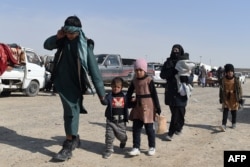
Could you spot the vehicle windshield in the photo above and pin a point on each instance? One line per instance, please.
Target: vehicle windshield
(155, 66)
(158, 67)
(33, 58)
(100, 58)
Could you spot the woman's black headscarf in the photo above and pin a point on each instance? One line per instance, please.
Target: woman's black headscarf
(176, 55)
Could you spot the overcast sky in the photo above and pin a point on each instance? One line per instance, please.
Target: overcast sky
(214, 32)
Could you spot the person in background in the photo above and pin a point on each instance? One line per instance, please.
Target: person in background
(49, 86)
(176, 102)
(74, 60)
(116, 115)
(203, 76)
(145, 106)
(209, 74)
(230, 94)
(220, 74)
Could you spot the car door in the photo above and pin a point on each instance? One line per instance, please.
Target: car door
(35, 70)
(112, 67)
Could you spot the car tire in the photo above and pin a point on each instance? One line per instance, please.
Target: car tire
(33, 89)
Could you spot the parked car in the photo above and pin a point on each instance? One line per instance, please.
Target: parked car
(156, 70)
(113, 65)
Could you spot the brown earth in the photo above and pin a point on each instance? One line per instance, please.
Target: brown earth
(31, 132)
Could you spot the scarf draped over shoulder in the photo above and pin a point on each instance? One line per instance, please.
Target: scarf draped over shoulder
(81, 45)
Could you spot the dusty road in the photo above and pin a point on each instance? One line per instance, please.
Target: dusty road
(31, 131)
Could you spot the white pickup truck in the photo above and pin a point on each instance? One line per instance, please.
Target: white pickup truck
(28, 78)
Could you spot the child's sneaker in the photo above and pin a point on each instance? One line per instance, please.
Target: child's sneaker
(151, 151)
(107, 154)
(233, 126)
(223, 128)
(169, 138)
(134, 152)
(177, 132)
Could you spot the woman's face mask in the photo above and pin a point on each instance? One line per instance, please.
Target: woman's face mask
(176, 51)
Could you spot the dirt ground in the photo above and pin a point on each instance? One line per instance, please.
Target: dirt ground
(31, 132)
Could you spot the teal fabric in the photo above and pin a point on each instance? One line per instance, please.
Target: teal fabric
(67, 84)
(51, 43)
(71, 115)
(72, 29)
(82, 44)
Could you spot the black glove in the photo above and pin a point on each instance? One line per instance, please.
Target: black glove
(158, 111)
(241, 101)
(220, 101)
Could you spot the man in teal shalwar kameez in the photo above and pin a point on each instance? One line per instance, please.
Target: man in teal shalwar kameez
(73, 62)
